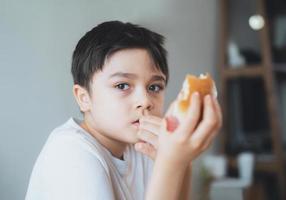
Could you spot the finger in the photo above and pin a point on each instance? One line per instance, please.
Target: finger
(193, 114)
(151, 119)
(150, 126)
(210, 140)
(146, 149)
(215, 133)
(208, 125)
(148, 137)
(218, 111)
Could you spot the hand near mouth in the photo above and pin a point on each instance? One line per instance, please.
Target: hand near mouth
(180, 142)
(149, 129)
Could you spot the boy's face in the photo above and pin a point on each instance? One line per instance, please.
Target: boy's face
(128, 87)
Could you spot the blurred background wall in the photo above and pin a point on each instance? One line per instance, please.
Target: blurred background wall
(36, 43)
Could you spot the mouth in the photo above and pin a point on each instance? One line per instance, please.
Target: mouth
(136, 123)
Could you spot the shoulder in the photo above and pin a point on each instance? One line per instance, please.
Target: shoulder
(70, 143)
(68, 147)
(70, 167)
(69, 151)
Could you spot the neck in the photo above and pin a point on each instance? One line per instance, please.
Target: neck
(115, 147)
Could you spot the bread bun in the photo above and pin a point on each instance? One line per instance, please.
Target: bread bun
(203, 84)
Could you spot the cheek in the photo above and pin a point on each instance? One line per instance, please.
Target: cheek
(160, 112)
(159, 107)
(108, 113)
(109, 107)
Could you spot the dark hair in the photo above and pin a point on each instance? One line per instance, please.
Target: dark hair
(107, 38)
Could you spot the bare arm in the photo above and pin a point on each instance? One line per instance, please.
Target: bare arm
(166, 182)
(187, 184)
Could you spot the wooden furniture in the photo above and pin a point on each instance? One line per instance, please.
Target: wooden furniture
(266, 71)
(255, 192)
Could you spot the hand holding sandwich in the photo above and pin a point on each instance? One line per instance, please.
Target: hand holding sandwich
(188, 129)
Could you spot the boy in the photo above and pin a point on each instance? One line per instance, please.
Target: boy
(120, 73)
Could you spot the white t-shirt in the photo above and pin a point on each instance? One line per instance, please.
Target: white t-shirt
(73, 165)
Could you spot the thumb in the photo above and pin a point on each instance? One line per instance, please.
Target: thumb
(146, 149)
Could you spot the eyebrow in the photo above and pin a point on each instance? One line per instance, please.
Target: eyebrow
(134, 76)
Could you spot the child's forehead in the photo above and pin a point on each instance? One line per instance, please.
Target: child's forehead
(155, 75)
(145, 74)
(130, 57)
(131, 61)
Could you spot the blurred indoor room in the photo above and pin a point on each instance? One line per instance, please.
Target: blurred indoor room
(241, 43)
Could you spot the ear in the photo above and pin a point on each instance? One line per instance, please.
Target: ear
(82, 97)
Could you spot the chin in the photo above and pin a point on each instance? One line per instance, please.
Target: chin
(132, 137)
(133, 140)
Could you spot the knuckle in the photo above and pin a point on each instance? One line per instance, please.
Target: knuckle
(196, 145)
(218, 124)
(211, 122)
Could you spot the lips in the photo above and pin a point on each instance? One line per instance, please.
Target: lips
(136, 123)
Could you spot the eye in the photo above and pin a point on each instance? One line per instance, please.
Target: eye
(155, 88)
(123, 86)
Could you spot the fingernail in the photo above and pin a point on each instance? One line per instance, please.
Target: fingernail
(195, 94)
(172, 123)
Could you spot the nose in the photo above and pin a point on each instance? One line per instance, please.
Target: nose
(143, 101)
